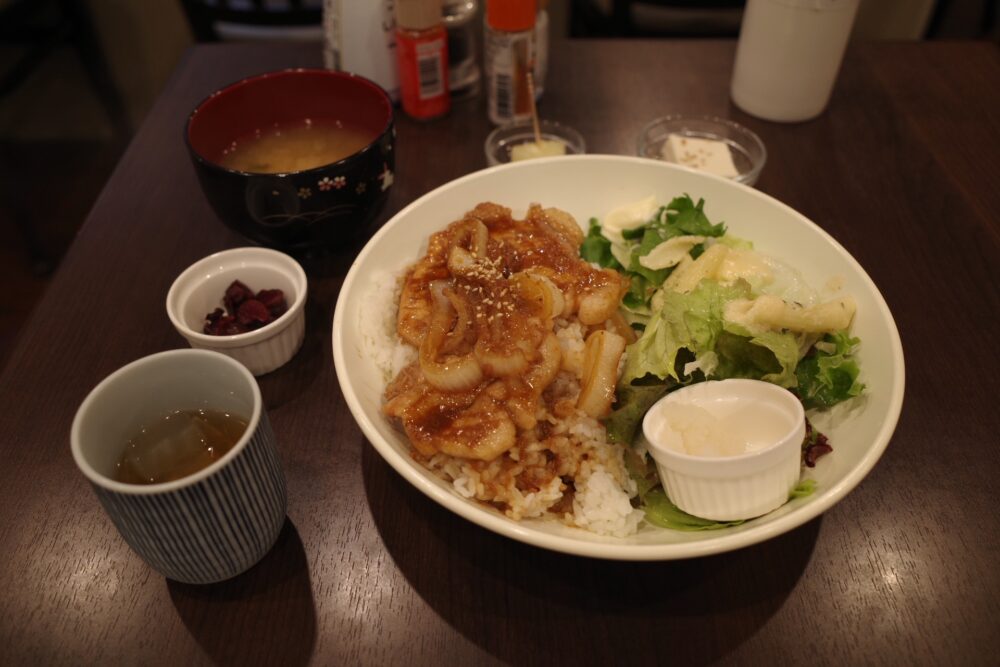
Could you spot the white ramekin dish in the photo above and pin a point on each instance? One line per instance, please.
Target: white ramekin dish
(199, 290)
(745, 485)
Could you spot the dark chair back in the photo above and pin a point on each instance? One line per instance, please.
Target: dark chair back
(683, 18)
(205, 15)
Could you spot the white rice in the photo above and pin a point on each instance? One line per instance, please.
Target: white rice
(378, 325)
(601, 506)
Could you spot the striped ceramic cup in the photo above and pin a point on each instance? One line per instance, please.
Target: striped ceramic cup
(212, 524)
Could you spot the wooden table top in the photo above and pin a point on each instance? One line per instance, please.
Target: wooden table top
(902, 169)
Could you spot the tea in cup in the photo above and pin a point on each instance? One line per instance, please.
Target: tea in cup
(180, 453)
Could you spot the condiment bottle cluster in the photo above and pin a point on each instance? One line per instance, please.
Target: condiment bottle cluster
(423, 52)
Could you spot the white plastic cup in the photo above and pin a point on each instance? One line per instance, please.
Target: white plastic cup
(788, 56)
(360, 37)
(213, 524)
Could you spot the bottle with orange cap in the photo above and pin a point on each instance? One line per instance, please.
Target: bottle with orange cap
(509, 56)
(422, 51)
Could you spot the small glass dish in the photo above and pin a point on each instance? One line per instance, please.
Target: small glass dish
(746, 149)
(503, 139)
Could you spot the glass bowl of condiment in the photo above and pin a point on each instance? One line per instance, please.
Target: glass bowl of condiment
(297, 159)
(516, 142)
(707, 144)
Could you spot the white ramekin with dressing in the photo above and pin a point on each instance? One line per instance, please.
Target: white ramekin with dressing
(727, 449)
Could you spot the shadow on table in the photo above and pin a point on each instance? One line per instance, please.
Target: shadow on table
(265, 615)
(287, 383)
(526, 605)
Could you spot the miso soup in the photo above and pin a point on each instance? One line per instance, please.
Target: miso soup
(295, 146)
(178, 444)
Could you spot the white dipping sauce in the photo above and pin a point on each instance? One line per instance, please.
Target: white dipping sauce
(716, 428)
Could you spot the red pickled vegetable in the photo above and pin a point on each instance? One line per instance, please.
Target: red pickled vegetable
(273, 300)
(245, 311)
(253, 314)
(220, 324)
(236, 294)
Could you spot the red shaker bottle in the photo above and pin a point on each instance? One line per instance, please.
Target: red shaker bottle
(422, 51)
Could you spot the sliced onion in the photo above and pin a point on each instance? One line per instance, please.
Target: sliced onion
(479, 235)
(542, 375)
(499, 364)
(463, 322)
(468, 247)
(530, 291)
(600, 372)
(555, 302)
(541, 291)
(600, 303)
(453, 373)
(461, 262)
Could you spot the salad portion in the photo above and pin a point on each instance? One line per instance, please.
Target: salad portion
(708, 306)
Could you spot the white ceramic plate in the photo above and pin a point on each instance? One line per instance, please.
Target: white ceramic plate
(589, 186)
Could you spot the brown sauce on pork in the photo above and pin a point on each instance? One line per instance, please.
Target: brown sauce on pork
(480, 305)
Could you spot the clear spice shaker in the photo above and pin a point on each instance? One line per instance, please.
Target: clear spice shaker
(509, 56)
(464, 75)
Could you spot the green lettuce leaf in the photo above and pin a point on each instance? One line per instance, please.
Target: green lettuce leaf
(771, 356)
(804, 488)
(654, 277)
(642, 471)
(691, 321)
(597, 249)
(632, 403)
(683, 217)
(660, 511)
(828, 374)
